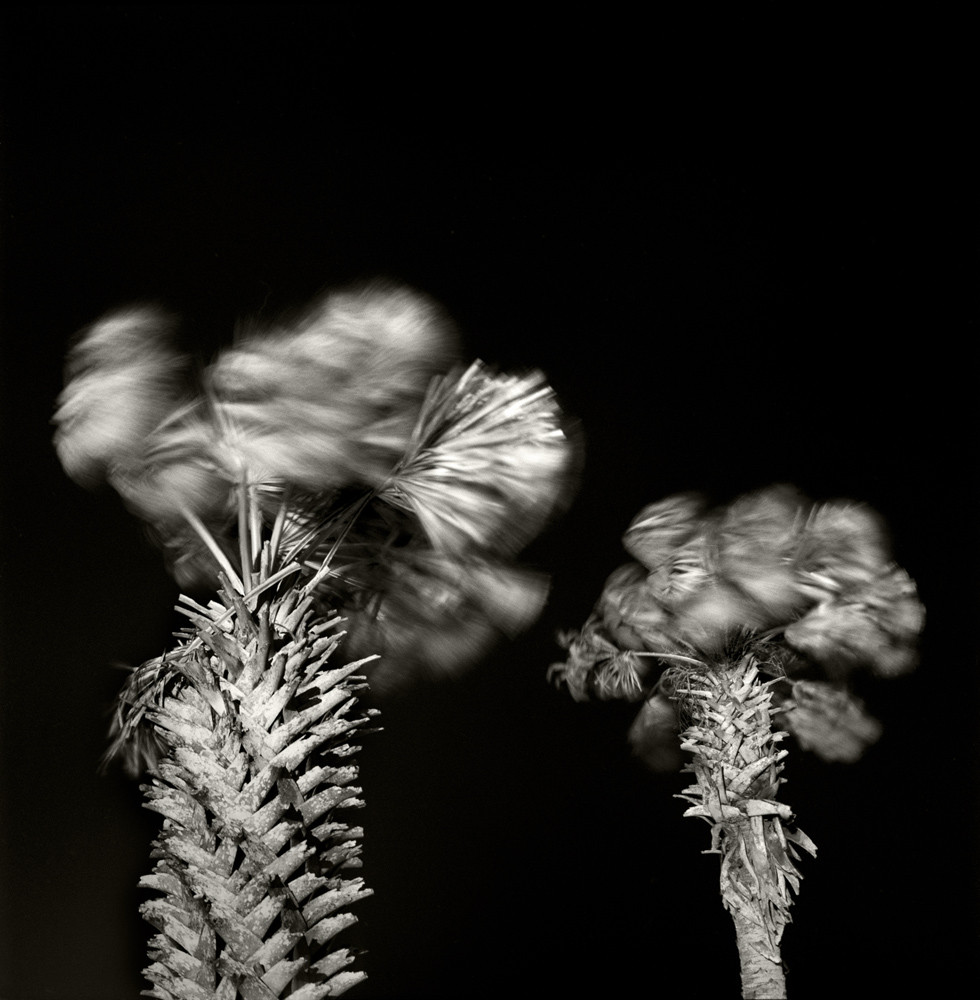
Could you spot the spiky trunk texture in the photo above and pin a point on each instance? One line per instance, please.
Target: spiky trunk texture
(737, 766)
(252, 859)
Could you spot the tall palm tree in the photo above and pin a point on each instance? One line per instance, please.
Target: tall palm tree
(340, 501)
(734, 628)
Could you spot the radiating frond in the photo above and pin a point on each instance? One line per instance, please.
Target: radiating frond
(632, 615)
(686, 570)
(587, 649)
(842, 544)
(621, 676)
(487, 464)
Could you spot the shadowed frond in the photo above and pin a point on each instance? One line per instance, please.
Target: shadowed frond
(435, 616)
(829, 720)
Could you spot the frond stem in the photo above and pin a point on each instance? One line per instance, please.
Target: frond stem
(244, 532)
(324, 569)
(198, 525)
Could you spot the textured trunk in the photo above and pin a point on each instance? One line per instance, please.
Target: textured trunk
(252, 857)
(738, 767)
(762, 976)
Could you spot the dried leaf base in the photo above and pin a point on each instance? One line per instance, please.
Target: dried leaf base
(737, 766)
(252, 858)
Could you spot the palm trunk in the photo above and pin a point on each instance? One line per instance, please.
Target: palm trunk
(762, 976)
(253, 856)
(737, 767)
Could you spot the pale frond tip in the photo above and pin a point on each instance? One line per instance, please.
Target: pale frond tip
(123, 376)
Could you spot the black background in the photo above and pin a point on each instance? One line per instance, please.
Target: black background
(742, 246)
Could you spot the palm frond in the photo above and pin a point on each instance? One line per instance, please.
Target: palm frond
(434, 616)
(124, 375)
(634, 615)
(331, 400)
(184, 486)
(661, 528)
(829, 720)
(757, 538)
(874, 623)
(487, 463)
(586, 650)
(842, 542)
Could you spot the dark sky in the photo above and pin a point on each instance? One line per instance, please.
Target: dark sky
(743, 248)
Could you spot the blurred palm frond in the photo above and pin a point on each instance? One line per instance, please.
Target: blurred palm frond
(123, 375)
(332, 400)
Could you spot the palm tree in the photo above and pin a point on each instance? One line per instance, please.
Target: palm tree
(331, 491)
(729, 622)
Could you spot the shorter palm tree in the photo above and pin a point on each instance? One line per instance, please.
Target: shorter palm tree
(734, 628)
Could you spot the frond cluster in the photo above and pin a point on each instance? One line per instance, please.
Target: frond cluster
(407, 488)
(809, 589)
